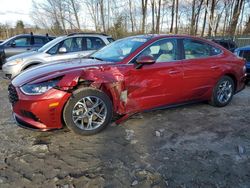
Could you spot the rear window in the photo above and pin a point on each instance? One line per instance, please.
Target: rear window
(245, 54)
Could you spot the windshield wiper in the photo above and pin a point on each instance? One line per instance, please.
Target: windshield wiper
(91, 57)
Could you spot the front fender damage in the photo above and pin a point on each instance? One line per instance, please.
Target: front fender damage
(109, 81)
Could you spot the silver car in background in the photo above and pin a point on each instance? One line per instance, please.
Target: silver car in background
(72, 46)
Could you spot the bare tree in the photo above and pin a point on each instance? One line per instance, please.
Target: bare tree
(92, 6)
(176, 16)
(205, 18)
(153, 15)
(235, 16)
(144, 5)
(74, 6)
(172, 16)
(211, 18)
(102, 15)
(131, 15)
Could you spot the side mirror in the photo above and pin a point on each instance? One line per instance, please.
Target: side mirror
(62, 50)
(13, 44)
(144, 60)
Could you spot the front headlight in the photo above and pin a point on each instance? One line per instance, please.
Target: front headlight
(38, 89)
(14, 62)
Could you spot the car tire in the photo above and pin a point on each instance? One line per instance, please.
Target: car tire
(223, 92)
(83, 115)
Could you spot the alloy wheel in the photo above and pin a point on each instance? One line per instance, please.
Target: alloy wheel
(89, 113)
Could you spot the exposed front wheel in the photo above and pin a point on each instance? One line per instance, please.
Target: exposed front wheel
(223, 92)
(88, 111)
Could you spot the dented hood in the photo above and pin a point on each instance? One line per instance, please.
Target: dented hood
(54, 70)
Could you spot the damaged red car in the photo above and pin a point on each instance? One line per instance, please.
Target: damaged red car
(128, 76)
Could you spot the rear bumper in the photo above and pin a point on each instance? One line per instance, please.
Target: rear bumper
(241, 83)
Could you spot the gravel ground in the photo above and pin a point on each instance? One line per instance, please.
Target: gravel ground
(190, 146)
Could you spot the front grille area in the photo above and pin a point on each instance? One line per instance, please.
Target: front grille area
(13, 97)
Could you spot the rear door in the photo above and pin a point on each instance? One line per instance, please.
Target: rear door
(38, 42)
(90, 45)
(200, 67)
(18, 45)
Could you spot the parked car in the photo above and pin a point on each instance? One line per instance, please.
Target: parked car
(76, 45)
(22, 43)
(128, 76)
(226, 43)
(244, 52)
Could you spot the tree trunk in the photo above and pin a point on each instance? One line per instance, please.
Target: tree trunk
(211, 19)
(131, 15)
(153, 15)
(75, 14)
(102, 15)
(172, 16)
(205, 19)
(176, 16)
(197, 16)
(192, 25)
(235, 17)
(144, 4)
(158, 17)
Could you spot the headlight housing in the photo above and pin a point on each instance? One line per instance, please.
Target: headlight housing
(40, 88)
(14, 62)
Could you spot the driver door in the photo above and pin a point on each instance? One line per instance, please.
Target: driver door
(17, 46)
(158, 84)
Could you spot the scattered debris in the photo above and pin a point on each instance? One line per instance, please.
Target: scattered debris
(134, 183)
(129, 134)
(40, 148)
(159, 133)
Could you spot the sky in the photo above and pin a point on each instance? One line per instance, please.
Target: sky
(13, 10)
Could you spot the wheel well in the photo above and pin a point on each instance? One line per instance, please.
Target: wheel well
(30, 65)
(234, 79)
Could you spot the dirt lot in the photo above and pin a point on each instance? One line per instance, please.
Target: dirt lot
(191, 146)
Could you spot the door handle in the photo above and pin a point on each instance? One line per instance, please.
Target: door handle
(28, 48)
(174, 72)
(215, 67)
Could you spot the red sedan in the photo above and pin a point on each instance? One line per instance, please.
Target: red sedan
(128, 76)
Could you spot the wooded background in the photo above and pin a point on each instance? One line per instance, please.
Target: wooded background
(206, 18)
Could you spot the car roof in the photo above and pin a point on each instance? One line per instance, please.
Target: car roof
(244, 48)
(33, 35)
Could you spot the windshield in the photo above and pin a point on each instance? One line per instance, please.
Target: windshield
(50, 44)
(120, 49)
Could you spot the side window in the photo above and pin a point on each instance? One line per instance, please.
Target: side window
(73, 44)
(54, 49)
(196, 49)
(92, 43)
(22, 41)
(39, 41)
(246, 55)
(162, 50)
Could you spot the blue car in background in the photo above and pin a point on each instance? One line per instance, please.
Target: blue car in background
(245, 53)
